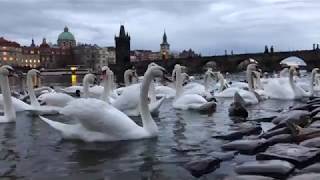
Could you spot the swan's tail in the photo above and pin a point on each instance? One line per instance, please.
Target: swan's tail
(67, 130)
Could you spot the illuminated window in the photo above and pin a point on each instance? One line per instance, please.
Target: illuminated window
(34, 61)
(4, 58)
(10, 58)
(30, 61)
(26, 61)
(38, 60)
(4, 53)
(31, 52)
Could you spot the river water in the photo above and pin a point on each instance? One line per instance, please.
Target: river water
(30, 149)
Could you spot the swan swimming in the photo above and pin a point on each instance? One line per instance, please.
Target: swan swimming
(100, 121)
(249, 96)
(128, 101)
(189, 101)
(9, 112)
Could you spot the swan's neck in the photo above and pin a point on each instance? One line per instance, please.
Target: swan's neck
(291, 82)
(147, 121)
(9, 112)
(250, 80)
(206, 81)
(221, 81)
(126, 78)
(33, 99)
(152, 92)
(106, 88)
(312, 82)
(178, 82)
(86, 87)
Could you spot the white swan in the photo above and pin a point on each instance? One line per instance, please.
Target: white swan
(249, 96)
(189, 101)
(128, 101)
(285, 88)
(9, 112)
(99, 121)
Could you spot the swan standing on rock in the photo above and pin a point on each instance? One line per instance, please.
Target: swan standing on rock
(189, 101)
(9, 112)
(99, 121)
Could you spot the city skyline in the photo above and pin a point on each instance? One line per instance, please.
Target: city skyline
(205, 26)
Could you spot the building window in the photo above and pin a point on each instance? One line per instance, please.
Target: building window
(31, 52)
(4, 53)
(4, 58)
(10, 58)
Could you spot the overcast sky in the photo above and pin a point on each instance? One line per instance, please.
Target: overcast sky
(207, 26)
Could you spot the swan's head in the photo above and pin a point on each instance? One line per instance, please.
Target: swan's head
(33, 73)
(152, 64)
(104, 69)
(315, 70)
(157, 71)
(6, 70)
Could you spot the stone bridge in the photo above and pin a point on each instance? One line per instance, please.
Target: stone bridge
(229, 63)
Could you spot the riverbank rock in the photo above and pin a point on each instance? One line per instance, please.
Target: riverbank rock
(246, 146)
(204, 166)
(296, 154)
(314, 168)
(248, 177)
(239, 130)
(314, 142)
(298, 117)
(223, 156)
(309, 176)
(273, 168)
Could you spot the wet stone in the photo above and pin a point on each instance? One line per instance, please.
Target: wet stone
(296, 154)
(237, 132)
(314, 142)
(245, 146)
(281, 138)
(272, 168)
(315, 124)
(6, 168)
(275, 132)
(314, 168)
(298, 117)
(309, 176)
(201, 167)
(248, 177)
(264, 119)
(223, 155)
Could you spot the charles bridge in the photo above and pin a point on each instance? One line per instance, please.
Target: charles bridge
(230, 63)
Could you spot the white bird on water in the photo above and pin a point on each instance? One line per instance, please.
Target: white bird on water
(100, 121)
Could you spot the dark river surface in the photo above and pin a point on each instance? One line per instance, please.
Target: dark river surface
(30, 149)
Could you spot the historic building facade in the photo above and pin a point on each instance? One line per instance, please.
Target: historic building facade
(105, 56)
(164, 47)
(31, 56)
(10, 52)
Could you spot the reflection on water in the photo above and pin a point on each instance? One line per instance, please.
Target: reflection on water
(74, 81)
(33, 150)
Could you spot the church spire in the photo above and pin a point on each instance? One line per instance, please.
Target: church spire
(32, 43)
(164, 38)
(122, 32)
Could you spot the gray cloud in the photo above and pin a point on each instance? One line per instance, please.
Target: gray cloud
(207, 26)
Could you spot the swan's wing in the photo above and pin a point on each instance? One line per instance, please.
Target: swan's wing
(76, 131)
(187, 101)
(55, 99)
(17, 104)
(99, 116)
(153, 107)
(129, 98)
